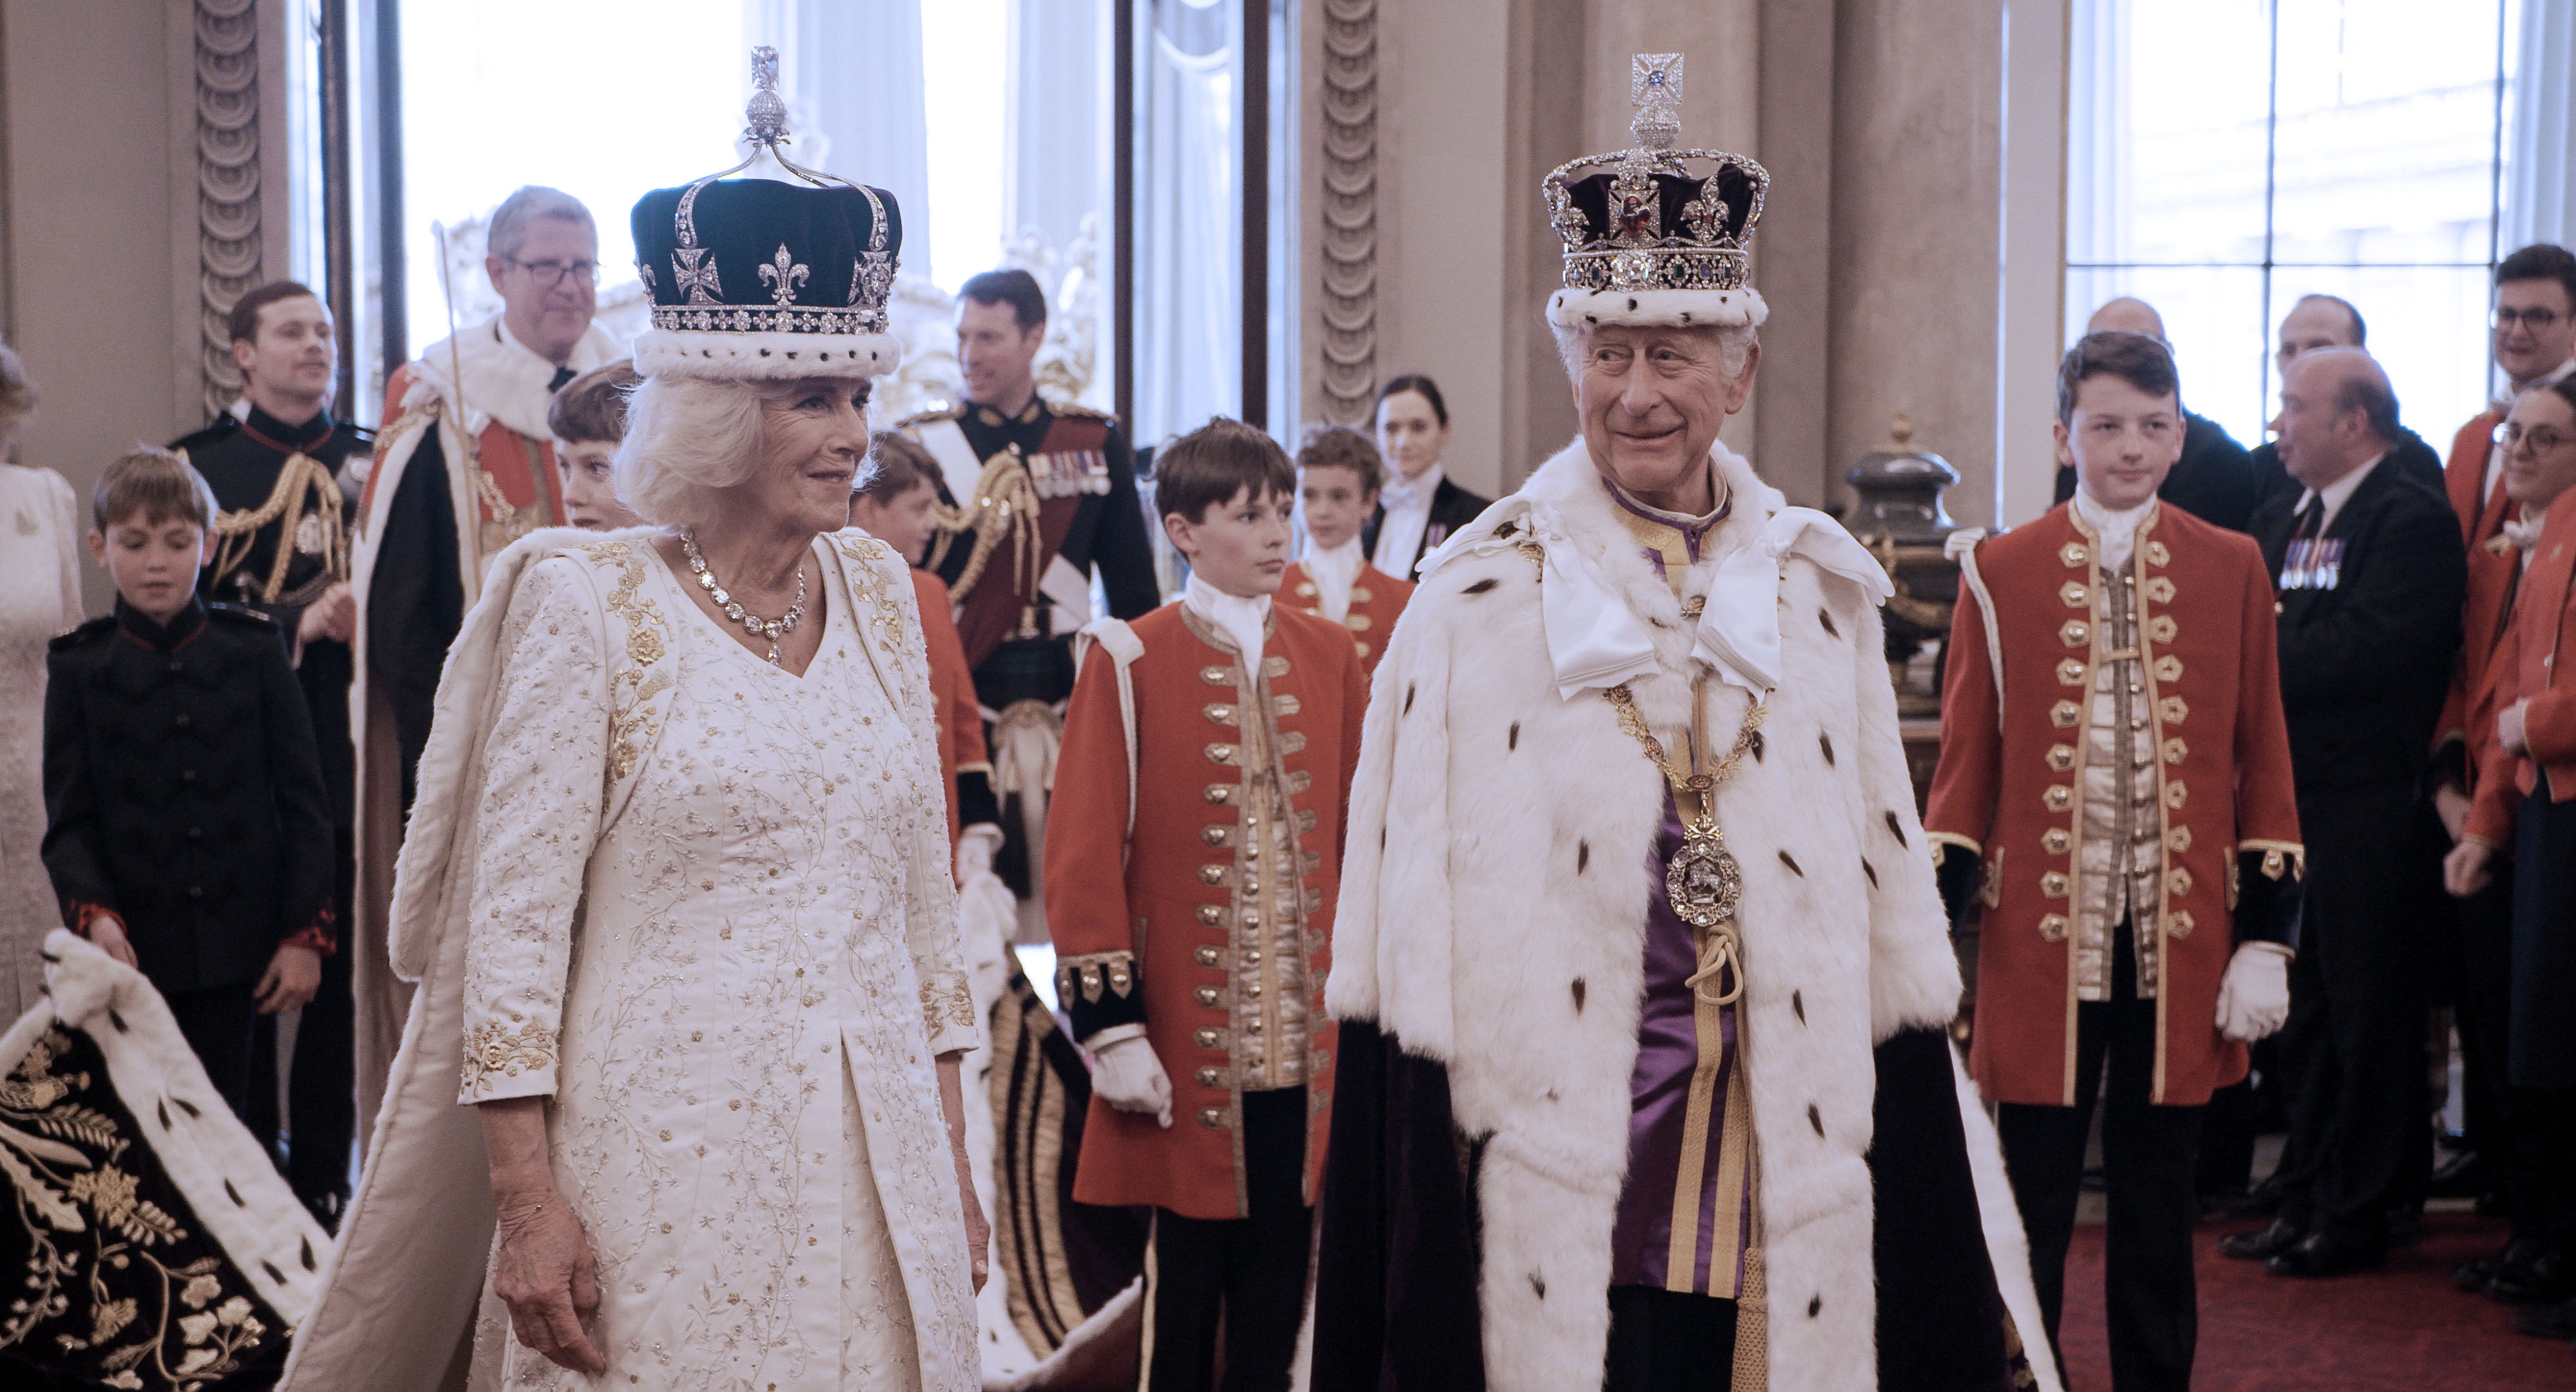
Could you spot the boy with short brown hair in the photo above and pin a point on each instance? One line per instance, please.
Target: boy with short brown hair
(1193, 859)
(588, 421)
(187, 831)
(1338, 478)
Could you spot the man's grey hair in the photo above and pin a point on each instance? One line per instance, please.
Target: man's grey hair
(510, 221)
(1734, 342)
(2369, 393)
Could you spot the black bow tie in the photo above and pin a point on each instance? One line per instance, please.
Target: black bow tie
(562, 375)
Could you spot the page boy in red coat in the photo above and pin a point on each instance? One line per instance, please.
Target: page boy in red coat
(1192, 862)
(1339, 474)
(2114, 787)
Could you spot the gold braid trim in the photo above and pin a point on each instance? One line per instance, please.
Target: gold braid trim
(1004, 509)
(302, 476)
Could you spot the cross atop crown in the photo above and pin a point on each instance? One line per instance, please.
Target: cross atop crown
(1655, 90)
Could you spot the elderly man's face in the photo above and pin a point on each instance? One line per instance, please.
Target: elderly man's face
(550, 285)
(2309, 326)
(1651, 400)
(2320, 438)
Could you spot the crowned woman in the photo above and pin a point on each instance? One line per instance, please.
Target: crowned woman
(677, 890)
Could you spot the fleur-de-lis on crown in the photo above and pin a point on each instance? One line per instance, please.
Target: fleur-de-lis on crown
(782, 274)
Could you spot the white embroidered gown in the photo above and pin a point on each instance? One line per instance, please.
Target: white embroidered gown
(39, 598)
(739, 1033)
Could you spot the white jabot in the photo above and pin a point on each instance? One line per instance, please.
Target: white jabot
(1334, 572)
(2523, 532)
(1236, 617)
(2337, 493)
(1408, 513)
(2116, 530)
(1594, 641)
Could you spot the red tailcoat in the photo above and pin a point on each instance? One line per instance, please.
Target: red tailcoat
(1168, 903)
(2009, 786)
(2525, 667)
(1377, 601)
(958, 720)
(2491, 574)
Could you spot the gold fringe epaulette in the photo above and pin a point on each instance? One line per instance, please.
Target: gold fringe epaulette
(956, 412)
(1074, 410)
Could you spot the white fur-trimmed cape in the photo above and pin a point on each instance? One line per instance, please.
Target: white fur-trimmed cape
(1493, 910)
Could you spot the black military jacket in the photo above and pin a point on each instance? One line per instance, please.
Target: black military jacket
(182, 792)
(244, 461)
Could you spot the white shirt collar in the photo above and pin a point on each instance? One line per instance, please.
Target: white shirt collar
(2115, 531)
(1234, 616)
(2338, 492)
(1413, 495)
(1334, 572)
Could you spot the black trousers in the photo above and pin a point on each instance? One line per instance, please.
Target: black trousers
(217, 1024)
(2152, 1298)
(1246, 1274)
(2482, 1010)
(321, 1121)
(2361, 1142)
(2540, 1165)
(1669, 1341)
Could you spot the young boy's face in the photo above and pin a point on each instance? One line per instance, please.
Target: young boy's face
(1335, 503)
(902, 521)
(590, 499)
(1239, 546)
(153, 562)
(2121, 441)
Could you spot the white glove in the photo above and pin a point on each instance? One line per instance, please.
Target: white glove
(975, 847)
(1130, 1078)
(2254, 996)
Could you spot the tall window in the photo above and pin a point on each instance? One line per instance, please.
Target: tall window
(2226, 157)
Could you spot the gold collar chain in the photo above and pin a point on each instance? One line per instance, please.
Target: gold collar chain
(1703, 882)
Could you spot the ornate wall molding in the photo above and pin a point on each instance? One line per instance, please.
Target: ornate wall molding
(229, 242)
(1348, 305)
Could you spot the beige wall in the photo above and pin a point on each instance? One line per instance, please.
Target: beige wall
(99, 236)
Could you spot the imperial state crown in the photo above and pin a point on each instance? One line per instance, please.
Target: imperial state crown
(764, 279)
(1655, 235)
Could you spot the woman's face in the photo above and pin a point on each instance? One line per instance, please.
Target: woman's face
(2540, 458)
(1409, 433)
(814, 433)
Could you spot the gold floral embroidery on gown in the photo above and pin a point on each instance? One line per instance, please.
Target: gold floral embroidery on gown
(739, 1032)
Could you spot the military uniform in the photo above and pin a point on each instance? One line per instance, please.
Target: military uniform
(1373, 603)
(1031, 505)
(285, 495)
(1191, 880)
(182, 796)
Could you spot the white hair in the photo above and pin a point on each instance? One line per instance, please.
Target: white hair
(509, 229)
(687, 440)
(1734, 341)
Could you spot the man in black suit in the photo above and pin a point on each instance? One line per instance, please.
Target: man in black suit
(2371, 571)
(2213, 480)
(2330, 321)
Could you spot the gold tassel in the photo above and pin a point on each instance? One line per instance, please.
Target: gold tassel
(1752, 1320)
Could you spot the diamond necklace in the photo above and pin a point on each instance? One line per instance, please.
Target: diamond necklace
(771, 629)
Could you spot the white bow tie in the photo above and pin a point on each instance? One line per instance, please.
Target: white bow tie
(1401, 493)
(2522, 535)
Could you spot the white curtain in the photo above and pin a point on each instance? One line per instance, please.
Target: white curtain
(1057, 132)
(851, 74)
(2540, 160)
(1189, 233)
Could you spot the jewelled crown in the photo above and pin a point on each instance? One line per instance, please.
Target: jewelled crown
(758, 278)
(1655, 235)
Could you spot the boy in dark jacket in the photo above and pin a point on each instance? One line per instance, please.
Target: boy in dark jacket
(187, 831)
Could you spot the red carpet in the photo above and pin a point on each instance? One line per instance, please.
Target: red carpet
(2404, 1329)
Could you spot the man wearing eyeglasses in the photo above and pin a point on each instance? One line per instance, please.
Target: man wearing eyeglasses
(464, 466)
(2534, 345)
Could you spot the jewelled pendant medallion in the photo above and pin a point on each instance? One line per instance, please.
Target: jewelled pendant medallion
(1702, 880)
